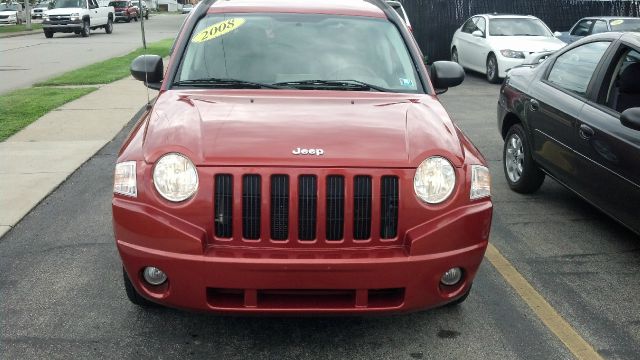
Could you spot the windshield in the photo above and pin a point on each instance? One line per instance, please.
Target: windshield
(4, 7)
(118, 4)
(61, 4)
(518, 27)
(625, 25)
(281, 48)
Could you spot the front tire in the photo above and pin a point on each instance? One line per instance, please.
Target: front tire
(492, 69)
(86, 29)
(132, 293)
(48, 34)
(109, 27)
(146, 17)
(522, 173)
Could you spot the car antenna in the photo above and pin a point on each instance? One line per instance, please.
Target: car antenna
(144, 50)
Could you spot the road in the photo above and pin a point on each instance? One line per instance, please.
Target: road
(25, 60)
(62, 293)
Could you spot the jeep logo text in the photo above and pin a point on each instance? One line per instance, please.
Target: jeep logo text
(300, 151)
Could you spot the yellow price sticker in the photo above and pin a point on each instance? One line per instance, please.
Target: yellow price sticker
(218, 29)
(617, 22)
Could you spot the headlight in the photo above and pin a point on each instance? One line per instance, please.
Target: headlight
(124, 181)
(480, 182)
(512, 54)
(45, 17)
(434, 180)
(175, 177)
(75, 15)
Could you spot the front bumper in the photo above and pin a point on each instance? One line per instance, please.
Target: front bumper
(505, 64)
(62, 26)
(284, 281)
(8, 21)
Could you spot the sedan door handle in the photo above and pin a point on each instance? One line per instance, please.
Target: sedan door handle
(586, 132)
(534, 105)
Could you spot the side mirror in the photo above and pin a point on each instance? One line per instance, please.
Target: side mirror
(557, 34)
(446, 74)
(631, 118)
(478, 33)
(149, 69)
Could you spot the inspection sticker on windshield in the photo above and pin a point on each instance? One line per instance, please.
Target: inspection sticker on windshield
(617, 22)
(406, 82)
(218, 29)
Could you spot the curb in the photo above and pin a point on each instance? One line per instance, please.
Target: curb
(20, 33)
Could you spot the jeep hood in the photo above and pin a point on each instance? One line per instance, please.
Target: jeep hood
(264, 128)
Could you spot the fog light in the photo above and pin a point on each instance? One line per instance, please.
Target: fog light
(154, 276)
(452, 276)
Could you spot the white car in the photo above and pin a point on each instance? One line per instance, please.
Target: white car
(11, 13)
(493, 44)
(186, 8)
(397, 6)
(38, 10)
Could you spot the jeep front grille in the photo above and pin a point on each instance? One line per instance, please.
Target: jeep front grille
(306, 208)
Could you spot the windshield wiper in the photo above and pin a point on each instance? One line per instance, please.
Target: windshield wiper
(352, 85)
(231, 83)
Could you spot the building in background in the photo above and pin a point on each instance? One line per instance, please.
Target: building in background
(168, 5)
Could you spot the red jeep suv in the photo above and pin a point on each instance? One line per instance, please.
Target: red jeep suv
(297, 160)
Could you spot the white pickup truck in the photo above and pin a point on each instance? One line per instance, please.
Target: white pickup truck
(77, 16)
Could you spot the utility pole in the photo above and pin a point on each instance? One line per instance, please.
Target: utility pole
(27, 13)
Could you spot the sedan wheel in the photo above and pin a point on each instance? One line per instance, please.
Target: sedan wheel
(492, 69)
(522, 173)
(514, 161)
(454, 55)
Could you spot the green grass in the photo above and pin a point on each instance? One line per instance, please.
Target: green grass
(16, 28)
(109, 70)
(22, 107)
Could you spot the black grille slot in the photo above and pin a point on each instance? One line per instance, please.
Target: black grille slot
(361, 207)
(335, 207)
(251, 200)
(389, 201)
(223, 206)
(307, 206)
(279, 207)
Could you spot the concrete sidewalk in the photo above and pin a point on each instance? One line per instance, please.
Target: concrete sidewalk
(41, 156)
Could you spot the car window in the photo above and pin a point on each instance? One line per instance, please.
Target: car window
(481, 24)
(573, 69)
(518, 27)
(276, 48)
(624, 84)
(599, 27)
(469, 26)
(622, 25)
(61, 4)
(582, 28)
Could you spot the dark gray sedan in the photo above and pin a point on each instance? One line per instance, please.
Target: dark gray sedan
(596, 25)
(576, 118)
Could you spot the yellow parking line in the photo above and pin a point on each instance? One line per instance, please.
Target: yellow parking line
(580, 348)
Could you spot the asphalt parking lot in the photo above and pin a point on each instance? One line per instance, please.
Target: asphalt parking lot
(62, 293)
